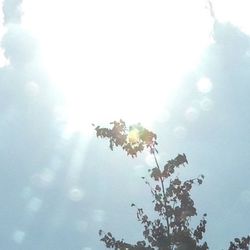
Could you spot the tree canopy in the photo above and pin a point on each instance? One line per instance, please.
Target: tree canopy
(172, 201)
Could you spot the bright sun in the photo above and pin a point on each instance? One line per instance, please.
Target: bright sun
(115, 59)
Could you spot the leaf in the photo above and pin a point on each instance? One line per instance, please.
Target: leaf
(176, 182)
(181, 159)
(237, 240)
(156, 174)
(200, 181)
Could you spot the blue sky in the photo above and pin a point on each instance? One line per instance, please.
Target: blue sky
(65, 65)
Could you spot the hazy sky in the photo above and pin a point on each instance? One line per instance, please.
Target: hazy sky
(67, 64)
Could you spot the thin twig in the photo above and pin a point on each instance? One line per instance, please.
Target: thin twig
(164, 193)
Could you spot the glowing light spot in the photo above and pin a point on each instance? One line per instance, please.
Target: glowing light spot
(191, 114)
(18, 236)
(180, 132)
(98, 215)
(206, 104)
(204, 85)
(134, 136)
(247, 53)
(76, 194)
(34, 204)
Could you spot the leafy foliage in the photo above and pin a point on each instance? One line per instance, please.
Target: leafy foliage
(171, 198)
(238, 244)
(133, 139)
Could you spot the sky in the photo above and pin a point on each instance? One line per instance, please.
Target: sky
(169, 65)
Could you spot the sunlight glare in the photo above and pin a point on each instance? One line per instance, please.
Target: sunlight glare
(204, 85)
(134, 136)
(235, 12)
(113, 59)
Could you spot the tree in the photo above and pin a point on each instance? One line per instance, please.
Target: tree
(171, 197)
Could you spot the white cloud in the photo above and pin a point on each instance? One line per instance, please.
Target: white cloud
(234, 11)
(19, 236)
